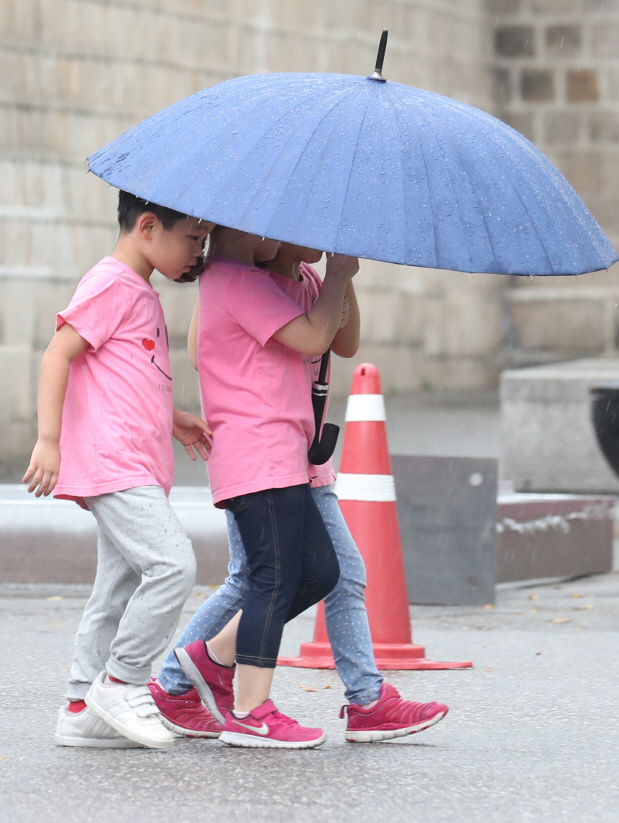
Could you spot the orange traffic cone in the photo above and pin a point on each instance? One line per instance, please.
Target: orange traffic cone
(366, 491)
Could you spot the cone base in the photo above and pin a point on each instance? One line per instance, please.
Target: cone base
(389, 656)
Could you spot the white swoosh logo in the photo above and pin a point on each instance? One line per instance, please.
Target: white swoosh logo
(264, 729)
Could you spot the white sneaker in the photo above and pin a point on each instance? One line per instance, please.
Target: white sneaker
(86, 729)
(130, 710)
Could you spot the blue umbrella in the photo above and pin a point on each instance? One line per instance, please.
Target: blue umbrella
(364, 167)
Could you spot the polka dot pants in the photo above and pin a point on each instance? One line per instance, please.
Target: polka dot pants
(345, 613)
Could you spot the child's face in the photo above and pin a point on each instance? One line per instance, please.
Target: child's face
(175, 251)
(265, 250)
(300, 254)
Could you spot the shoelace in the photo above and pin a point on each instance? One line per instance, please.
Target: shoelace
(284, 719)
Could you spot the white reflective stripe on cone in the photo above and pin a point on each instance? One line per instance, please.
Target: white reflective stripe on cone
(361, 407)
(375, 488)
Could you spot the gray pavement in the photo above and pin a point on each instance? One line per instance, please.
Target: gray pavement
(532, 735)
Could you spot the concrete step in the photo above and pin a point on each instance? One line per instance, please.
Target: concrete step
(55, 541)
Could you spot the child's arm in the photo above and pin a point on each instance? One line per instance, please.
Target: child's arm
(66, 345)
(346, 341)
(313, 333)
(192, 336)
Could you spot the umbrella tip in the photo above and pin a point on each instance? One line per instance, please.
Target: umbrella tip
(378, 69)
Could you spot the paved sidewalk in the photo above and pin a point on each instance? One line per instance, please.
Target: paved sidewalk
(532, 735)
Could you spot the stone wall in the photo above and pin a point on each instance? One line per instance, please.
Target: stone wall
(74, 74)
(556, 80)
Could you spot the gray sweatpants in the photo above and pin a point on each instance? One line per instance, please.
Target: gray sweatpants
(145, 571)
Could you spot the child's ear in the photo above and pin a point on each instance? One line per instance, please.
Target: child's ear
(146, 223)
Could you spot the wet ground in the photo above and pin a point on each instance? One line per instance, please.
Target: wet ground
(532, 733)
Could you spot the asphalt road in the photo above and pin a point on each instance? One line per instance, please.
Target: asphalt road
(532, 734)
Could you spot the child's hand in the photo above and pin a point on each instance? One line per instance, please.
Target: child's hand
(193, 433)
(342, 265)
(43, 468)
(345, 313)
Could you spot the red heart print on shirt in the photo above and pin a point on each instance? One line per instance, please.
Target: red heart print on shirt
(148, 344)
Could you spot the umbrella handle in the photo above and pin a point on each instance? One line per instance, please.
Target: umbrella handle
(322, 450)
(324, 441)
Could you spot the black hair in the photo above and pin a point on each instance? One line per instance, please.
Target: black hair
(131, 207)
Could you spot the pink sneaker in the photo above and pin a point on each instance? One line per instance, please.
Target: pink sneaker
(390, 717)
(266, 728)
(184, 713)
(213, 681)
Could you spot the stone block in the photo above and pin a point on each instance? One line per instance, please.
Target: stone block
(604, 127)
(380, 312)
(178, 301)
(447, 513)
(563, 41)
(17, 439)
(549, 444)
(514, 41)
(499, 7)
(565, 327)
(584, 170)
(553, 535)
(400, 366)
(186, 384)
(455, 372)
(582, 85)
(523, 122)
(18, 310)
(501, 87)
(554, 7)
(561, 127)
(15, 378)
(410, 319)
(605, 40)
(537, 85)
(610, 81)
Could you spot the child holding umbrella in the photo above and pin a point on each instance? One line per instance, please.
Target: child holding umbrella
(375, 709)
(252, 343)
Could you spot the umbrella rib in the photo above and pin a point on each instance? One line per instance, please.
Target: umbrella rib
(352, 165)
(395, 109)
(249, 152)
(490, 143)
(425, 165)
(526, 210)
(439, 125)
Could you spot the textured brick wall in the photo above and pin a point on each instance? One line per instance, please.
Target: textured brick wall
(76, 73)
(556, 80)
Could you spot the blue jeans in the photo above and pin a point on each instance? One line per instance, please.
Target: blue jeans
(345, 613)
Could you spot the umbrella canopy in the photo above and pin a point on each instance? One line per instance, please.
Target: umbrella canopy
(358, 166)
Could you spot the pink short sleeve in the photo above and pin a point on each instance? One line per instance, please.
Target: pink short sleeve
(258, 304)
(97, 308)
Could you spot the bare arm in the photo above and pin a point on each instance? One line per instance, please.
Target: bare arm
(312, 333)
(66, 345)
(192, 336)
(346, 341)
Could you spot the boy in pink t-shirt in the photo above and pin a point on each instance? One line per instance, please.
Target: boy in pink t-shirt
(106, 418)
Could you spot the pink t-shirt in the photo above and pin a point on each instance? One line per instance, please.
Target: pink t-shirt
(256, 392)
(304, 292)
(117, 415)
